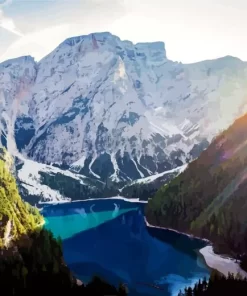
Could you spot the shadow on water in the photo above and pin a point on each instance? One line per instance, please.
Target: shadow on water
(179, 241)
(110, 239)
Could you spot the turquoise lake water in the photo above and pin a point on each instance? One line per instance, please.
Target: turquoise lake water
(109, 238)
(67, 226)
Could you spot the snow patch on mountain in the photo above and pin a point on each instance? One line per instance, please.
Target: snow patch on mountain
(30, 179)
(78, 164)
(150, 179)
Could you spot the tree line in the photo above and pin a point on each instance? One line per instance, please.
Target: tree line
(217, 285)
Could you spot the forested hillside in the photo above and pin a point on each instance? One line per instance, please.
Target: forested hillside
(16, 217)
(209, 198)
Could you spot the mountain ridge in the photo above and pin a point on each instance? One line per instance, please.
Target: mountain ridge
(106, 33)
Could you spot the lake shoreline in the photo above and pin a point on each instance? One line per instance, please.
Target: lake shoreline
(176, 231)
(131, 200)
(224, 265)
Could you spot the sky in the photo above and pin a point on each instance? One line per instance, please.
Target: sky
(193, 30)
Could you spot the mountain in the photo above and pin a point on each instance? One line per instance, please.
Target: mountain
(209, 198)
(105, 108)
(17, 218)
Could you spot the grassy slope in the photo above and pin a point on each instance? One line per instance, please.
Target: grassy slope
(209, 198)
(17, 218)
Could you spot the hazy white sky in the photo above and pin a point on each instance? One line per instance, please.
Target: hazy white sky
(192, 30)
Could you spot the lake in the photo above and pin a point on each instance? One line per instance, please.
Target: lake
(110, 238)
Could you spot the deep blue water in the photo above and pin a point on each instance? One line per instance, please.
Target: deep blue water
(100, 240)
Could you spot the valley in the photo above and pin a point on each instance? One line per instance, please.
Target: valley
(117, 161)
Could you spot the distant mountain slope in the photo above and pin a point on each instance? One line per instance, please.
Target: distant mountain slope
(39, 183)
(16, 217)
(108, 108)
(144, 188)
(209, 198)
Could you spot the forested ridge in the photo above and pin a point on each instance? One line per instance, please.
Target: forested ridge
(209, 198)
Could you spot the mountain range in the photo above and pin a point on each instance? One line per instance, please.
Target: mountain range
(100, 110)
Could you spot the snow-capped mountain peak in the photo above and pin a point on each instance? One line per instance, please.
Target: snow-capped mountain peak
(109, 108)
